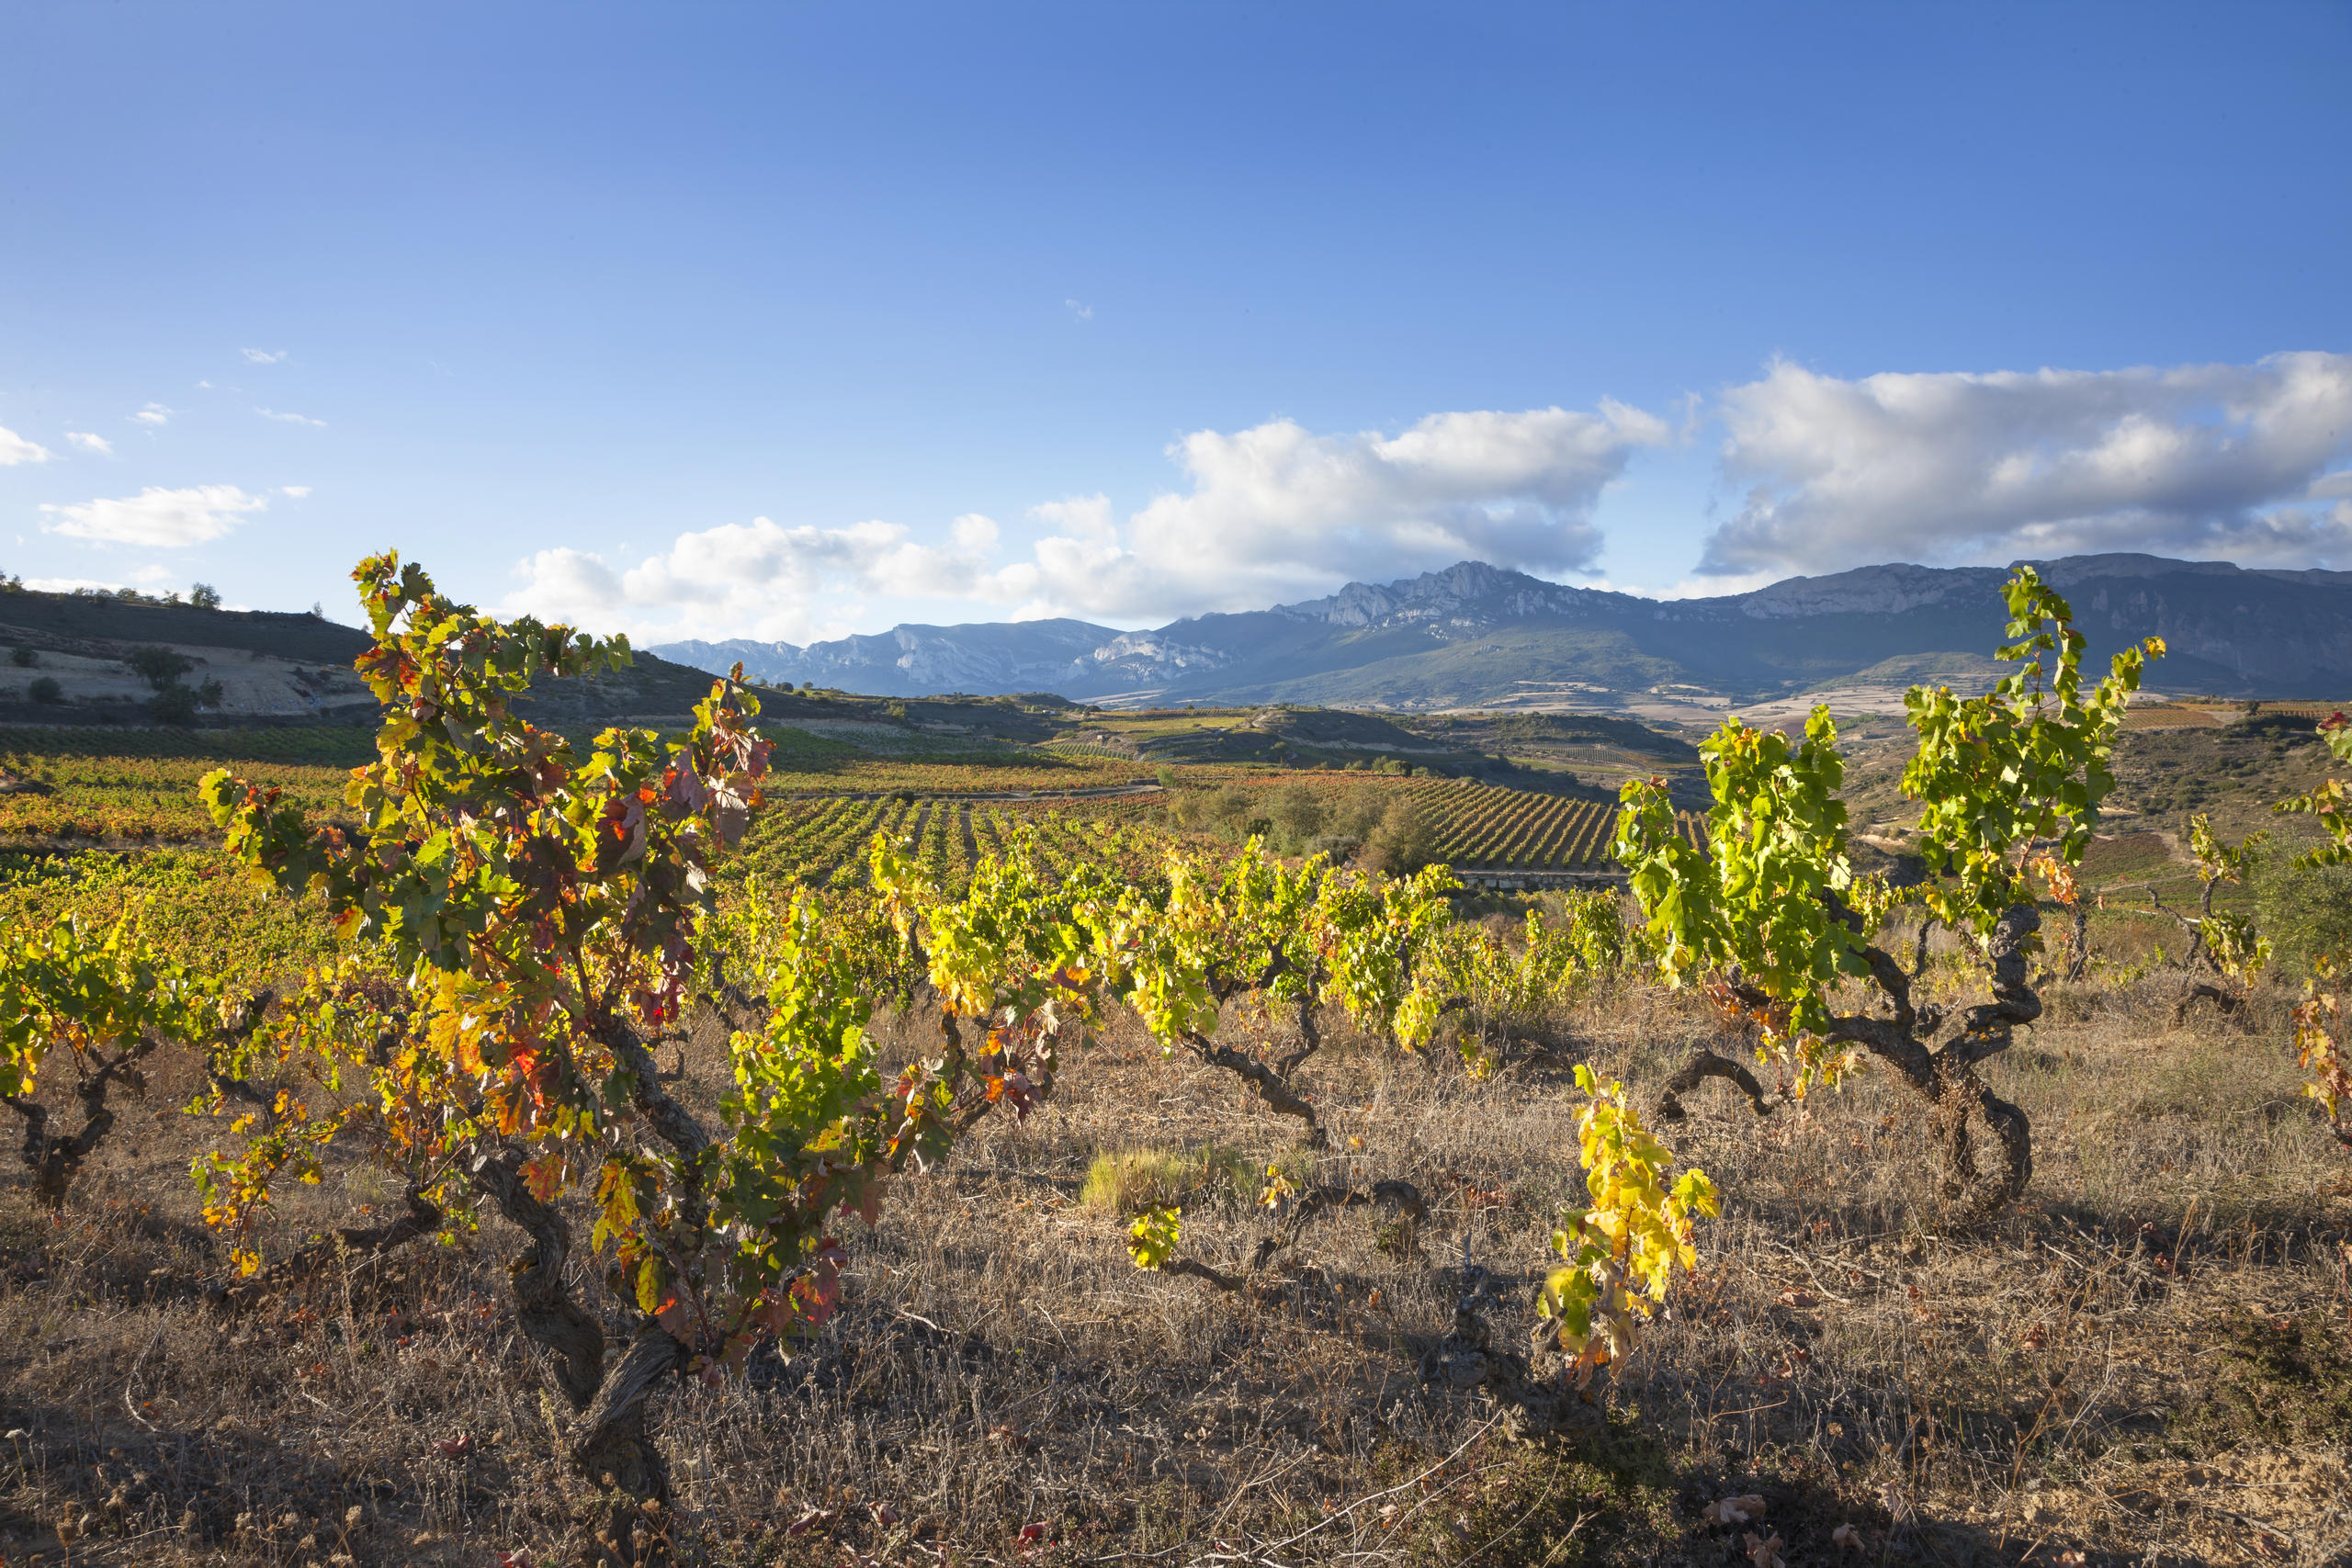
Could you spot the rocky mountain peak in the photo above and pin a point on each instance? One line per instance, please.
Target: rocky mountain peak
(1467, 591)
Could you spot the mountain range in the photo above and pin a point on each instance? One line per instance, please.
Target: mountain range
(1474, 635)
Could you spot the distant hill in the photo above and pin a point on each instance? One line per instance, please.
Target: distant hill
(986, 659)
(1478, 635)
(271, 667)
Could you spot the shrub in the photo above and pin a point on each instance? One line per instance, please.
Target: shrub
(1297, 817)
(173, 705)
(204, 596)
(2306, 911)
(46, 689)
(23, 658)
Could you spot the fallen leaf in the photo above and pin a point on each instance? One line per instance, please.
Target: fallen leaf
(810, 1519)
(1733, 1510)
(1797, 1298)
(454, 1448)
(1765, 1553)
(1846, 1538)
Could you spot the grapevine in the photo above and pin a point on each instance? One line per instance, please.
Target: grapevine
(1773, 914)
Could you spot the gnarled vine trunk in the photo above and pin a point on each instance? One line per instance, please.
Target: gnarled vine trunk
(54, 1161)
(1986, 1142)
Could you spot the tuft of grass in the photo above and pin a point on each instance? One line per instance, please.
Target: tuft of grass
(1131, 1180)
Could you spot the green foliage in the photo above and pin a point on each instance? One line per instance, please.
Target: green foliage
(2026, 762)
(2328, 802)
(64, 985)
(24, 658)
(1593, 924)
(2304, 904)
(1621, 1253)
(1151, 1240)
(542, 911)
(1764, 896)
(2217, 860)
(1770, 896)
(45, 689)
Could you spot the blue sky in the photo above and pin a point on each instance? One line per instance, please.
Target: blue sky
(788, 320)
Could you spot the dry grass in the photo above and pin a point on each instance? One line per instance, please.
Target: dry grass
(2149, 1363)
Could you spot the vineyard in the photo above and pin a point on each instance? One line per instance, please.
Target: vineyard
(823, 842)
(725, 1147)
(1483, 826)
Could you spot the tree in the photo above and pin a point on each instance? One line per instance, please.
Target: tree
(1402, 844)
(1772, 915)
(204, 596)
(46, 689)
(159, 667)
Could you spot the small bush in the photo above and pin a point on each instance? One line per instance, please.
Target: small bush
(46, 689)
(24, 658)
(173, 705)
(2306, 911)
(1297, 817)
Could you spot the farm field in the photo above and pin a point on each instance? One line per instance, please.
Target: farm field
(2160, 1317)
(1486, 827)
(128, 787)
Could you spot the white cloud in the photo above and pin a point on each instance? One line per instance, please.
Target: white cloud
(167, 518)
(1276, 511)
(297, 491)
(2212, 460)
(15, 449)
(1083, 311)
(89, 443)
(262, 356)
(72, 584)
(153, 414)
(290, 418)
(758, 578)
